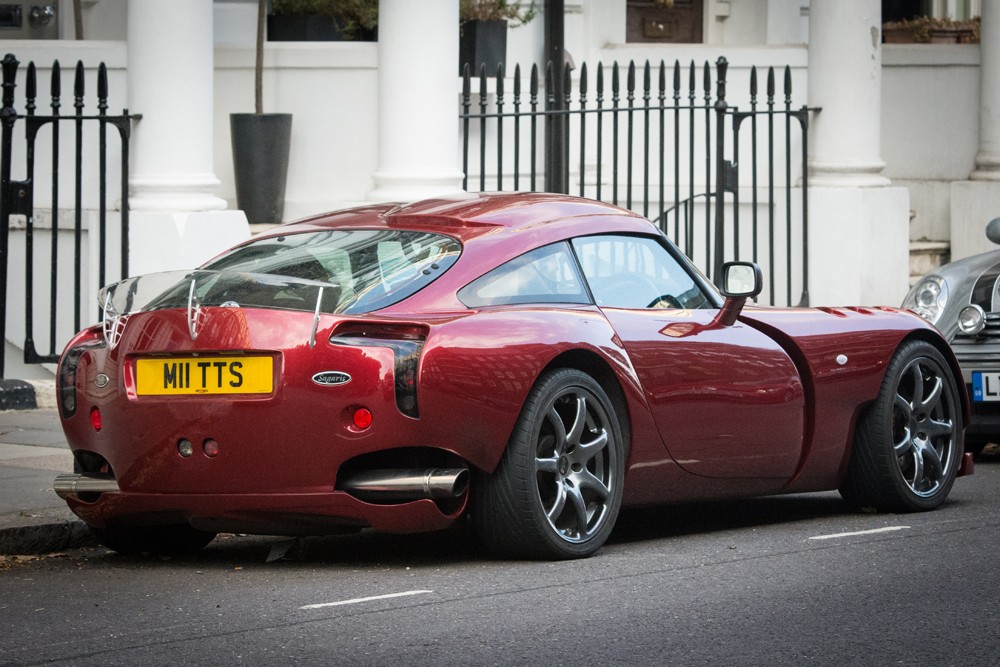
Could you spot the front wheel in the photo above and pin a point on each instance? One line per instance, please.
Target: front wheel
(908, 445)
(558, 488)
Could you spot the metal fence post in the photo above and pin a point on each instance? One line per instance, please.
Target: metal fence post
(720, 167)
(7, 117)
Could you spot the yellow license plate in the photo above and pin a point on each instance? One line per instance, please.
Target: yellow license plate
(204, 375)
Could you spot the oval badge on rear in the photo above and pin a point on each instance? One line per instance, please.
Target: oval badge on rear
(331, 378)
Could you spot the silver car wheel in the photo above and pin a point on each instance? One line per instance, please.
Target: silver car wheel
(923, 426)
(908, 442)
(558, 486)
(575, 465)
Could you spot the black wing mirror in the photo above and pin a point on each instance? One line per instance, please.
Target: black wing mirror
(744, 279)
(740, 281)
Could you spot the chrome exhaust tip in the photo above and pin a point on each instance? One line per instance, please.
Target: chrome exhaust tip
(72, 484)
(404, 485)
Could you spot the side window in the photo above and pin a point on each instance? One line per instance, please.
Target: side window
(545, 275)
(636, 272)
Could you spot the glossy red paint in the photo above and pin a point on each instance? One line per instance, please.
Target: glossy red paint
(710, 411)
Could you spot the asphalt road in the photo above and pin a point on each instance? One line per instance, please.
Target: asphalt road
(759, 582)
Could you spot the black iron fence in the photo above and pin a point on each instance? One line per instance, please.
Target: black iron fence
(54, 274)
(723, 182)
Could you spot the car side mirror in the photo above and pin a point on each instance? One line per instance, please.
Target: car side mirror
(993, 230)
(740, 281)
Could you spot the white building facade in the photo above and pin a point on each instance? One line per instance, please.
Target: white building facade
(905, 149)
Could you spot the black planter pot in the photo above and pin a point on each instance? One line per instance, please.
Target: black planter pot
(260, 163)
(482, 43)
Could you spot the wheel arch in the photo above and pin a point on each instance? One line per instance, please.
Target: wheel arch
(598, 368)
(878, 473)
(926, 336)
(939, 343)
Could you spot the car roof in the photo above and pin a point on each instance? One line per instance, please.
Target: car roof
(467, 216)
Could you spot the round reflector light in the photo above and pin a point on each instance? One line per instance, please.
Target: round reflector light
(211, 448)
(185, 448)
(95, 418)
(362, 418)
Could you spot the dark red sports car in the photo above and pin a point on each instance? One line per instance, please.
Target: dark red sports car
(534, 361)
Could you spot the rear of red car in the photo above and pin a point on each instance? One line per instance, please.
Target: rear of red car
(259, 395)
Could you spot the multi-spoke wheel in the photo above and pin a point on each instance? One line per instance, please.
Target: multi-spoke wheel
(558, 487)
(908, 446)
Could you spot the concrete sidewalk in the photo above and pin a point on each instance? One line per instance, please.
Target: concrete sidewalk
(33, 450)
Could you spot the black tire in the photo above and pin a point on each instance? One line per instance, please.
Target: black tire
(908, 445)
(557, 490)
(170, 540)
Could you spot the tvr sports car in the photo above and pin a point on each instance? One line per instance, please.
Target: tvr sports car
(533, 362)
(963, 300)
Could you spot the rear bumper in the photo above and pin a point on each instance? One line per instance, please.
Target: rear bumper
(265, 514)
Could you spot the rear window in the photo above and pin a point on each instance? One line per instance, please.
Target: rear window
(372, 269)
(544, 275)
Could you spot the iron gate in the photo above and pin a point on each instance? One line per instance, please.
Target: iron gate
(60, 298)
(669, 151)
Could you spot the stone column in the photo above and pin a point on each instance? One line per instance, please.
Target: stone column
(177, 219)
(977, 201)
(988, 158)
(845, 79)
(418, 127)
(858, 225)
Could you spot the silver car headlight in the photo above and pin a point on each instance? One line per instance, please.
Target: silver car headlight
(928, 298)
(971, 320)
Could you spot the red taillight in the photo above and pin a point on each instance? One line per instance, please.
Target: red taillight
(95, 418)
(362, 418)
(88, 339)
(406, 342)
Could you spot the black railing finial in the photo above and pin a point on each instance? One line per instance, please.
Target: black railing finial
(102, 89)
(721, 68)
(30, 90)
(9, 65)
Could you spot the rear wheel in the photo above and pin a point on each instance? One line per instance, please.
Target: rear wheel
(908, 446)
(170, 540)
(557, 489)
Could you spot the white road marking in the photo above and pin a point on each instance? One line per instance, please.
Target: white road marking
(873, 531)
(368, 599)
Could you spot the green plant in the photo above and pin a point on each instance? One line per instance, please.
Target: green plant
(496, 10)
(353, 16)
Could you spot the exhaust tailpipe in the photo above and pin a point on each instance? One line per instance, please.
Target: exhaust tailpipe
(71, 484)
(394, 485)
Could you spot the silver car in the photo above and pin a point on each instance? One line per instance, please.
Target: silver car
(963, 300)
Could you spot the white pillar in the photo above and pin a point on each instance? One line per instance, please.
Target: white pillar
(845, 80)
(977, 201)
(988, 158)
(418, 127)
(177, 219)
(858, 226)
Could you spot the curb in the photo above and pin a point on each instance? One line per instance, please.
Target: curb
(17, 395)
(45, 538)
(27, 394)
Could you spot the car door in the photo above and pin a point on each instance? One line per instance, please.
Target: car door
(727, 400)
